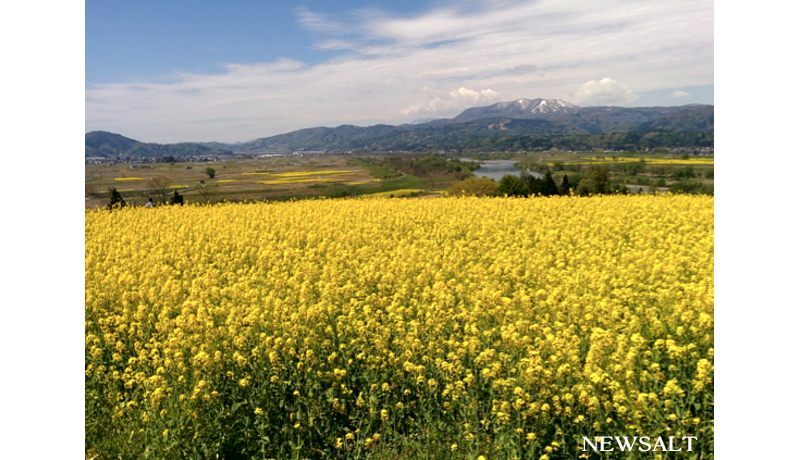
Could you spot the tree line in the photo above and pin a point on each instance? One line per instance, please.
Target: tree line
(596, 181)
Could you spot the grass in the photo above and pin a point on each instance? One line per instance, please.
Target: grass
(376, 171)
(397, 193)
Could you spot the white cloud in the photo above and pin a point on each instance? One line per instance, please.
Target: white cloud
(604, 92)
(458, 99)
(317, 22)
(678, 93)
(543, 48)
(334, 44)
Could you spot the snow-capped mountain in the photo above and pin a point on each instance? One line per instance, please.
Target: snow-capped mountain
(551, 105)
(520, 108)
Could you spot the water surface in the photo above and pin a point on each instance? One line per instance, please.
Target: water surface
(496, 169)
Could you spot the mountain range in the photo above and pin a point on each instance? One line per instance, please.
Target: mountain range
(110, 145)
(477, 127)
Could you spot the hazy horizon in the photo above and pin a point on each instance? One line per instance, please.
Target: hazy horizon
(420, 120)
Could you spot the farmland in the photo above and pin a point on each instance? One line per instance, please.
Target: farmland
(380, 328)
(283, 178)
(255, 180)
(234, 180)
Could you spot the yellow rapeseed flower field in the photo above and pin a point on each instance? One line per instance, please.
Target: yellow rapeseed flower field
(378, 328)
(649, 161)
(301, 180)
(322, 172)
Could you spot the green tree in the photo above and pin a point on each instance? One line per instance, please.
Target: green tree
(684, 173)
(619, 187)
(596, 181)
(115, 199)
(473, 186)
(511, 186)
(533, 185)
(211, 173)
(563, 189)
(549, 187)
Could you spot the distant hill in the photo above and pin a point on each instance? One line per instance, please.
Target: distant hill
(694, 118)
(523, 117)
(519, 124)
(110, 145)
(594, 120)
(219, 145)
(345, 136)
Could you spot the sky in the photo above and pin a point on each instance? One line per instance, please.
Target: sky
(239, 70)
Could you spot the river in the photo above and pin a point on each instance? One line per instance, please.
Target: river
(496, 169)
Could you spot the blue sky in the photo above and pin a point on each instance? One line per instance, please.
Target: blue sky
(237, 70)
(149, 40)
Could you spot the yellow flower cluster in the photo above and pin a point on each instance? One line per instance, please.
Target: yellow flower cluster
(674, 161)
(695, 160)
(303, 177)
(322, 172)
(706, 161)
(300, 180)
(502, 327)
